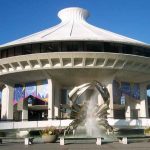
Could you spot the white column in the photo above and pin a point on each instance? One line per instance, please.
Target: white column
(57, 101)
(99, 141)
(110, 90)
(7, 103)
(62, 141)
(23, 107)
(50, 99)
(143, 101)
(25, 114)
(128, 112)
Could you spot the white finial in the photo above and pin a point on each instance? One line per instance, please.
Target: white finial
(73, 14)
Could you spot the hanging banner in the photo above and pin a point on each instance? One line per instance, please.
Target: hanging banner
(136, 91)
(126, 88)
(42, 90)
(31, 89)
(19, 93)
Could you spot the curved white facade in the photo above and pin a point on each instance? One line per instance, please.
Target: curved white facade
(46, 76)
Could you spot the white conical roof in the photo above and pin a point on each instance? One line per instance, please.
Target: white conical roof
(74, 27)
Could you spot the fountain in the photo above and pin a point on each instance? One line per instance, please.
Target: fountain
(91, 125)
(90, 116)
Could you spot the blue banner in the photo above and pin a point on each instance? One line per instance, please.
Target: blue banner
(126, 88)
(37, 89)
(19, 93)
(30, 89)
(42, 90)
(136, 91)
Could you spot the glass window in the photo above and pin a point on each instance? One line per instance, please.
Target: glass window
(18, 50)
(11, 52)
(142, 51)
(146, 52)
(71, 46)
(54, 47)
(116, 92)
(107, 47)
(50, 47)
(115, 47)
(26, 49)
(36, 48)
(112, 47)
(4, 53)
(127, 49)
(94, 46)
(44, 47)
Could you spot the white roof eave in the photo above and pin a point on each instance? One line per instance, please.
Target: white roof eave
(74, 28)
(71, 39)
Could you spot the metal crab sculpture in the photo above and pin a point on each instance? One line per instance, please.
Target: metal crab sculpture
(78, 112)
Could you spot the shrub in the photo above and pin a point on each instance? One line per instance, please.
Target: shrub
(49, 131)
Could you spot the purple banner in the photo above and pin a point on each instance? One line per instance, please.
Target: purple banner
(30, 89)
(19, 93)
(36, 89)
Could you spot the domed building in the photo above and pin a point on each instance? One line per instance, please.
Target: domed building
(38, 71)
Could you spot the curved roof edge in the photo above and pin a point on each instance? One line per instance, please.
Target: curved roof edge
(73, 27)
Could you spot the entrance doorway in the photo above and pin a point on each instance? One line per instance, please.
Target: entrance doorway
(34, 115)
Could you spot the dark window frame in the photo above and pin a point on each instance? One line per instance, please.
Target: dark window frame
(110, 47)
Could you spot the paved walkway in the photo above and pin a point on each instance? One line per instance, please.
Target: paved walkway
(81, 146)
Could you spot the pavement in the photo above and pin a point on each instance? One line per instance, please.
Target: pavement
(76, 146)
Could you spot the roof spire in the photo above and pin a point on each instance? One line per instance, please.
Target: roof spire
(73, 14)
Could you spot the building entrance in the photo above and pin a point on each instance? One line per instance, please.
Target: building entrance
(35, 115)
(37, 109)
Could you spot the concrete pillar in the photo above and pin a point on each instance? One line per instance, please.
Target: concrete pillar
(50, 99)
(62, 141)
(110, 90)
(25, 110)
(57, 101)
(25, 114)
(143, 101)
(128, 112)
(7, 103)
(124, 140)
(99, 141)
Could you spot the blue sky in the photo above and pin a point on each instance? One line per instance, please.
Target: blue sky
(19, 18)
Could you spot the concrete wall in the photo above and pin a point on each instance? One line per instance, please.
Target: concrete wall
(135, 123)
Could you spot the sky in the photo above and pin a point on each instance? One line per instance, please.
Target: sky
(19, 18)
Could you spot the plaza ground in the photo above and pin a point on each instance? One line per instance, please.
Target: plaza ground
(87, 145)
